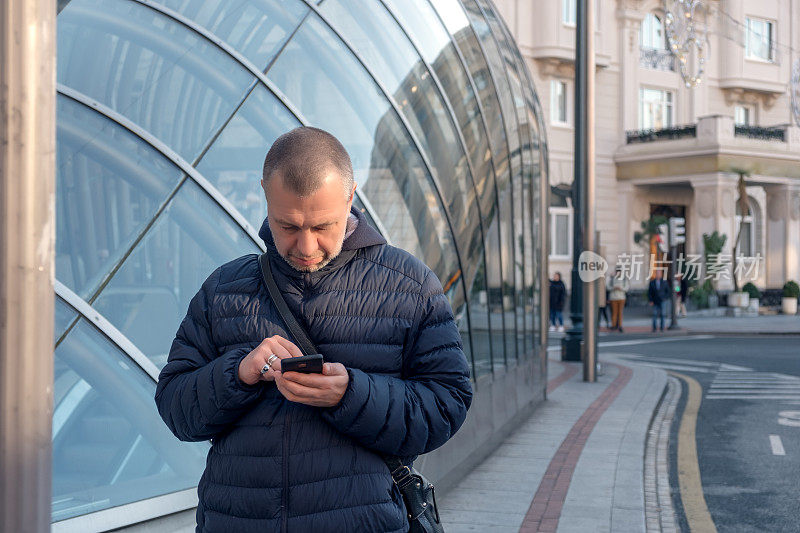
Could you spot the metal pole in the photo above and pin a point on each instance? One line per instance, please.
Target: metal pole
(27, 236)
(673, 322)
(582, 299)
(589, 289)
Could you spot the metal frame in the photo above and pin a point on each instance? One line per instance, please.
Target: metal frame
(415, 140)
(85, 310)
(128, 514)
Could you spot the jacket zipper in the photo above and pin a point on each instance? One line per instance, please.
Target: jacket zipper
(285, 462)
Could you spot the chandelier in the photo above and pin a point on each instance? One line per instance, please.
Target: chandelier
(687, 37)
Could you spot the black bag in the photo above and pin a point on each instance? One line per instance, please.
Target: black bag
(418, 492)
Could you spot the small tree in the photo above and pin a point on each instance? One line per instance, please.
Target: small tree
(712, 245)
(647, 237)
(744, 209)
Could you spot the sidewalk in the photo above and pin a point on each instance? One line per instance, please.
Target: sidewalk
(696, 324)
(576, 465)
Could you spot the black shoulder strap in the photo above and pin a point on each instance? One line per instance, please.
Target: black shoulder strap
(300, 336)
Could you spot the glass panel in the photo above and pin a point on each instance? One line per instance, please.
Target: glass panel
(148, 297)
(470, 48)
(233, 163)
(255, 28)
(401, 193)
(479, 315)
(64, 315)
(389, 55)
(158, 73)
(508, 208)
(454, 79)
(332, 90)
(454, 292)
(109, 445)
(109, 185)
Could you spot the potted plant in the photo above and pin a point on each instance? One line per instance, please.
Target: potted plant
(754, 294)
(791, 291)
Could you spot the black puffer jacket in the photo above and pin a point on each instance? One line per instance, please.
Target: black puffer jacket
(275, 465)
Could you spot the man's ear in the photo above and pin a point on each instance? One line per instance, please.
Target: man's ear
(352, 195)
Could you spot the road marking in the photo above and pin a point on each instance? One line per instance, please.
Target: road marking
(789, 418)
(675, 367)
(750, 397)
(753, 385)
(691, 487)
(777, 445)
(633, 342)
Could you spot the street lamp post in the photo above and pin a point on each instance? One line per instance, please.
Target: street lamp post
(579, 342)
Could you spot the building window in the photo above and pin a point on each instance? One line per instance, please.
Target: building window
(759, 37)
(569, 10)
(744, 115)
(655, 109)
(558, 102)
(560, 232)
(651, 36)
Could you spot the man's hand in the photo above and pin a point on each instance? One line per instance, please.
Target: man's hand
(251, 365)
(317, 390)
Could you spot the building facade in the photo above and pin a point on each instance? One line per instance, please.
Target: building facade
(165, 112)
(663, 148)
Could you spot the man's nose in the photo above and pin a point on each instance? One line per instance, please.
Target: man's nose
(306, 244)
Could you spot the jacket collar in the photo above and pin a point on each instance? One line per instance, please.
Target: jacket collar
(364, 236)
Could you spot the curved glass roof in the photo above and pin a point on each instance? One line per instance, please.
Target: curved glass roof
(165, 112)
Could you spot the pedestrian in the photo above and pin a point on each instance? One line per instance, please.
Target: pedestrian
(558, 295)
(657, 295)
(618, 290)
(297, 452)
(602, 302)
(682, 292)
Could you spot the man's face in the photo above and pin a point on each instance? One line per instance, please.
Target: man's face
(308, 232)
(659, 274)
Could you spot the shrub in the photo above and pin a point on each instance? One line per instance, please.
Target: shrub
(791, 290)
(699, 294)
(752, 290)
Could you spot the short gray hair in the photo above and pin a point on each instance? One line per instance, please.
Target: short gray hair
(303, 155)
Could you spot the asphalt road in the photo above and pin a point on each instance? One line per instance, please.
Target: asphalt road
(748, 425)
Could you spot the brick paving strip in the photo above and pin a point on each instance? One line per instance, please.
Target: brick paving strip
(545, 509)
(569, 371)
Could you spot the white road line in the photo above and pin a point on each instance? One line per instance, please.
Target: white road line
(675, 367)
(752, 397)
(670, 361)
(777, 445)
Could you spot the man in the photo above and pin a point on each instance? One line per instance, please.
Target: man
(657, 294)
(303, 452)
(558, 294)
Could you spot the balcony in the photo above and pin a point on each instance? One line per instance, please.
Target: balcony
(676, 132)
(656, 59)
(713, 144)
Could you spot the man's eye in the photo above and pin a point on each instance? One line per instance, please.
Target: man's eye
(288, 228)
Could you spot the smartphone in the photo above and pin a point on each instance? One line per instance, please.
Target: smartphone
(307, 364)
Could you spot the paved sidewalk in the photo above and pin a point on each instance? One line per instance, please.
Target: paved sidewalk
(710, 325)
(576, 465)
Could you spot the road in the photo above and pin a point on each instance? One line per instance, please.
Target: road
(748, 424)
